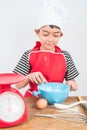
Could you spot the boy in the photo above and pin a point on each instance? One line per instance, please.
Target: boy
(46, 62)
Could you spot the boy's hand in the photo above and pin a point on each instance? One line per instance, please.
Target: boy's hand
(37, 78)
(73, 85)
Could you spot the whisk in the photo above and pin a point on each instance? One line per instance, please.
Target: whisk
(73, 118)
(67, 117)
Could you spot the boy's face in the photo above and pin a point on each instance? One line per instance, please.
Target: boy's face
(49, 37)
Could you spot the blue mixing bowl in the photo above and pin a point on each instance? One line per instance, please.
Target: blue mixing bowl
(53, 92)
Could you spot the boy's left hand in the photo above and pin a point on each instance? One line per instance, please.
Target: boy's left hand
(73, 85)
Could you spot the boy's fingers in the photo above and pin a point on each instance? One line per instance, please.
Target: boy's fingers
(40, 79)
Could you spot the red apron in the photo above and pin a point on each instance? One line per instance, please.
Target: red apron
(51, 64)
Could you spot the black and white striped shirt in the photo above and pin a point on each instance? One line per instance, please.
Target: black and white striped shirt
(23, 66)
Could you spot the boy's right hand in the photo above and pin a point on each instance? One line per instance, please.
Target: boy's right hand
(37, 78)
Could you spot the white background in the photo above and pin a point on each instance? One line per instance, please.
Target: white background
(17, 24)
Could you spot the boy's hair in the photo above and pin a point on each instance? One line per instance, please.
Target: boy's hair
(54, 26)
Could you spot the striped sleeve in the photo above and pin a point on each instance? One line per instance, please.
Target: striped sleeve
(72, 71)
(23, 66)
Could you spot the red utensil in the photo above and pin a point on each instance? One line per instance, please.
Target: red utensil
(13, 108)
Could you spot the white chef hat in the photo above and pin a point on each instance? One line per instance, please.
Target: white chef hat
(52, 13)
